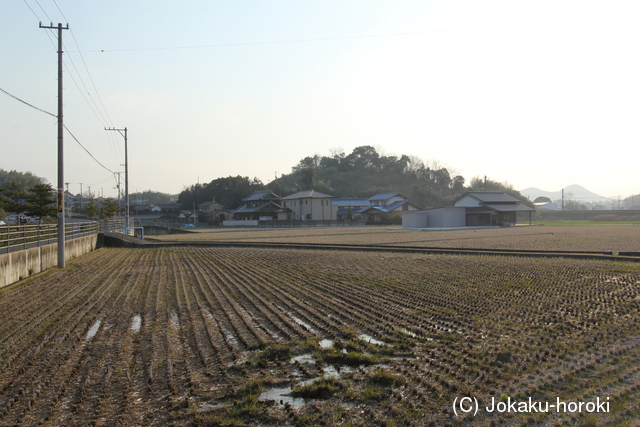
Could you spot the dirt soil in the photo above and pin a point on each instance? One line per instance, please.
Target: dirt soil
(275, 337)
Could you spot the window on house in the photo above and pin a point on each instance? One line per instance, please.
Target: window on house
(306, 202)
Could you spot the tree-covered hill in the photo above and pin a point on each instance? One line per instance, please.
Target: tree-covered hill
(361, 174)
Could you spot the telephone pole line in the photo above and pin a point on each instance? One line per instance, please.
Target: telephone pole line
(61, 253)
(126, 174)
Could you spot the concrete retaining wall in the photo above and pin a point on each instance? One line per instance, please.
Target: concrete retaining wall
(19, 265)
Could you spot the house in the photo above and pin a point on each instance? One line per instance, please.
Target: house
(261, 205)
(473, 209)
(309, 205)
(491, 208)
(389, 204)
(166, 209)
(213, 212)
(349, 205)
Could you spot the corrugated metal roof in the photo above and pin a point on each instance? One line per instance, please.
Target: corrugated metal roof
(384, 196)
(350, 202)
(516, 207)
(307, 194)
(492, 196)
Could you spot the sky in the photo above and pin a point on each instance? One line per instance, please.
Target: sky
(535, 94)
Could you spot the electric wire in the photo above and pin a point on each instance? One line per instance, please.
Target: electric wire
(65, 126)
(95, 109)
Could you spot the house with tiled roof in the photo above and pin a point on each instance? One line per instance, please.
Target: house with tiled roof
(261, 205)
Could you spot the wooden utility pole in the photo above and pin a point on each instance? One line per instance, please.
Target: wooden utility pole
(61, 240)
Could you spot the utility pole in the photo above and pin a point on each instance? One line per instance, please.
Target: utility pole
(61, 254)
(126, 173)
(118, 187)
(66, 205)
(563, 199)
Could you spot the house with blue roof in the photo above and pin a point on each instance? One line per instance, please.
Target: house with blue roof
(386, 204)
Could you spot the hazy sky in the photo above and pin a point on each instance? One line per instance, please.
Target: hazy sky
(539, 94)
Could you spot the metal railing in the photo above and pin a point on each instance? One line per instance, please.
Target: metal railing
(18, 237)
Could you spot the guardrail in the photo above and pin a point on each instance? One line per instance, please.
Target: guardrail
(18, 237)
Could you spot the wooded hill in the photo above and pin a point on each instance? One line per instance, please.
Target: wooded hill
(361, 174)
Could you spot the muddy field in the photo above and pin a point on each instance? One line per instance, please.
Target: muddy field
(240, 336)
(585, 238)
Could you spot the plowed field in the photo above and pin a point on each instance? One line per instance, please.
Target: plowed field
(207, 336)
(584, 238)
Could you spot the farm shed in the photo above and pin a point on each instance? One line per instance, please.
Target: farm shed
(490, 208)
(447, 217)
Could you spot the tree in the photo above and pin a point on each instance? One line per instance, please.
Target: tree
(228, 191)
(40, 201)
(14, 198)
(91, 209)
(108, 209)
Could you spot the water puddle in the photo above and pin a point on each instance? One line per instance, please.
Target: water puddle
(407, 332)
(371, 340)
(209, 407)
(93, 330)
(136, 323)
(303, 323)
(256, 322)
(326, 343)
(281, 395)
(303, 358)
(175, 319)
(230, 337)
(299, 321)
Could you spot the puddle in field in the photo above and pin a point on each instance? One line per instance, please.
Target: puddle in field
(281, 395)
(326, 343)
(303, 323)
(93, 330)
(371, 340)
(299, 321)
(256, 322)
(136, 323)
(175, 319)
(230, 337)
(407, 332)
(303, 358)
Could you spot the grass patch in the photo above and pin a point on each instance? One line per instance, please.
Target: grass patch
(385, 378)
(273, 352)
(320, 389)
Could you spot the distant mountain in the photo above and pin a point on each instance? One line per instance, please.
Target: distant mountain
(571, 192)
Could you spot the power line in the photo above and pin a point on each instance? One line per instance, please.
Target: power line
(26, 103)
(65, 126)
(83, 147)
(412, 33)
(104, 119)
